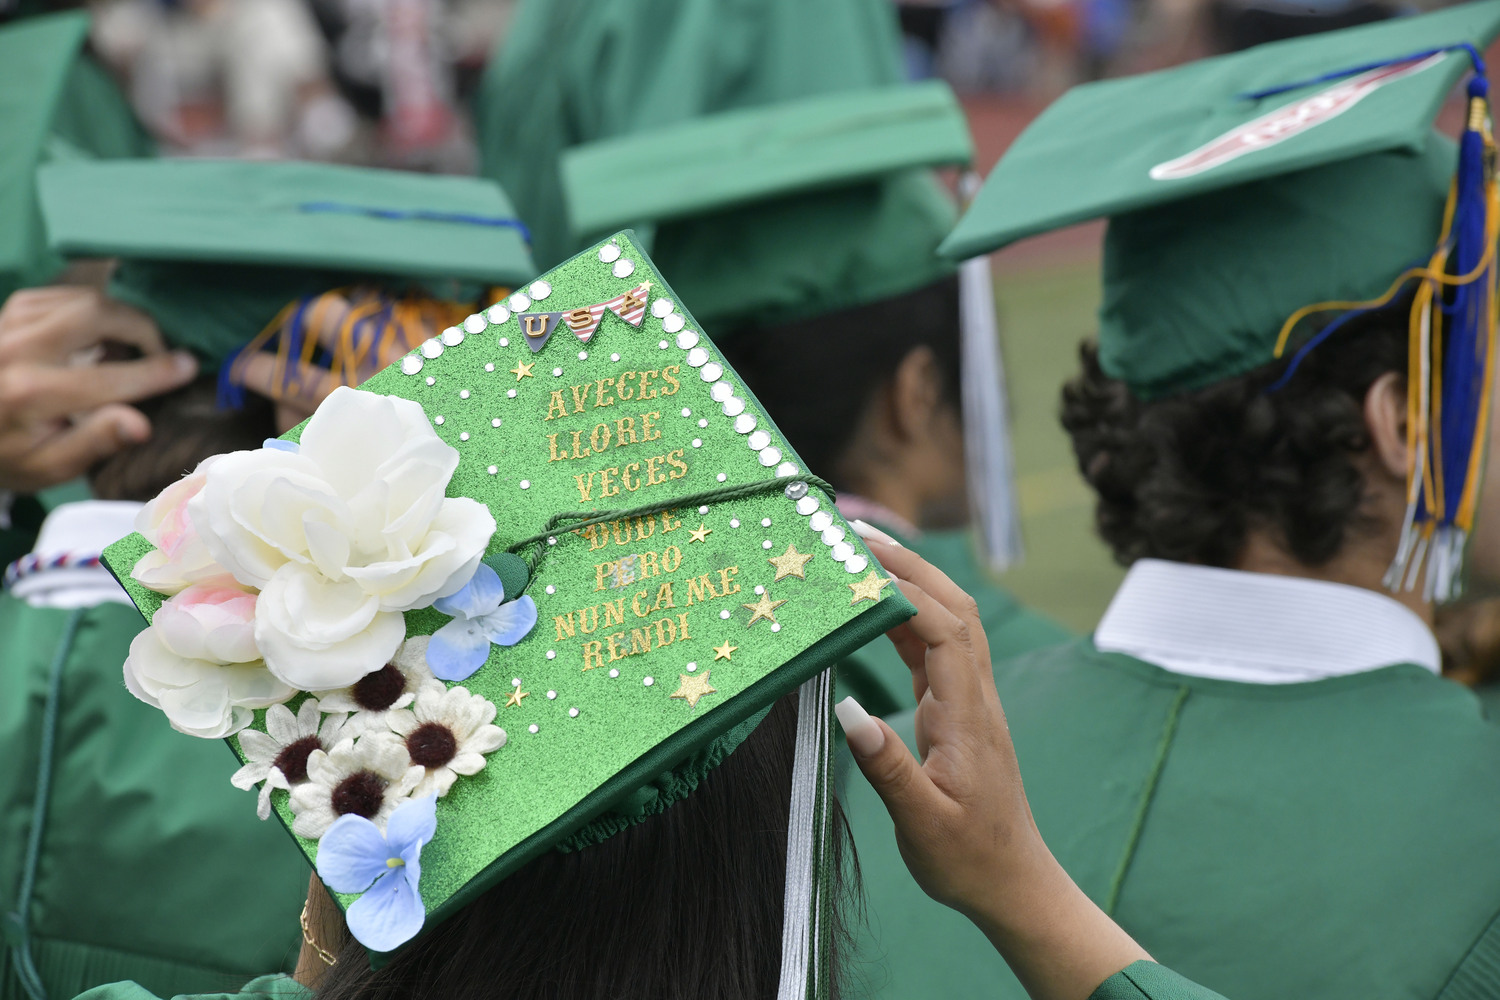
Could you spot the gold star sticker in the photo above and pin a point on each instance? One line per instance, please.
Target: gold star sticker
(513, 700)
(693, 687)
(763, 608)
(723, 652)
(522, 370)
(790, 563)
(699, 533)
(869, 588)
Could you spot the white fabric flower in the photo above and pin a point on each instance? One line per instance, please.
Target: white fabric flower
(277, 758)
(199, 697)
(366, 777)
(342, 535)
(447, 732)
(180, 558)
(210, 621)
(372, 698)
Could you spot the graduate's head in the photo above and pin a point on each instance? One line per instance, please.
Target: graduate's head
(511, 684)
(685, 904)
(1296, 335)
(871, 395)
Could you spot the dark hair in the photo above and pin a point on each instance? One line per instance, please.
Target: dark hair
(817, 376)
(684, 905)
(1190, 476)
(187, 426)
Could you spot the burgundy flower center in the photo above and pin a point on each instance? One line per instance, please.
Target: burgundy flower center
(378, 691)
(432, 745)
(362, 793)
(293, 758)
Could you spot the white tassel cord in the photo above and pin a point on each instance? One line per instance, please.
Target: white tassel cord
(987, 444)
(802, 972)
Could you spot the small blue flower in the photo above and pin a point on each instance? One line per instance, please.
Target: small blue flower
(480, 617)
(354, 856)
(279, 445)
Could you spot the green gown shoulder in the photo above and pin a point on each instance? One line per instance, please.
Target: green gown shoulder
(279, 987)
(1149, 981)
(112, 845)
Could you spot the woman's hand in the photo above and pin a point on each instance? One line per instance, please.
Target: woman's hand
(962, 821)
(62, 408)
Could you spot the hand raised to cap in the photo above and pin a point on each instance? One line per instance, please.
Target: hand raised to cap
(963, 824)
(59, 416)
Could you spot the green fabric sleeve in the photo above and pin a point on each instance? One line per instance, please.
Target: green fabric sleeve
(277, 987)
(1149, 981)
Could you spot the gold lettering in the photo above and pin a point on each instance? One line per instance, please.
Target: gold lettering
(646, 381)
(615, 525)
(652, 477)
(629, 479)
(620, 386)
(580, 393)
(579, 319)
(600, 444)
(601, 571)
(583, 618)
(593, 651)
(535, 325)
(648, 565)
(552, 446)
(640, 641)
(668, 522)
(699, 589)
(579, 451)
(614, 611)
(663, 598)
(606, 482)
(724, 575)
(682, 632)
(672, 555)
(557, 408)
(635, 604)
(645, 527)
(623, 426)
(663, 638)
(648, 424)
(585, 486)
(599, 392)
(666, 375)
(679, 467)
(561, 622)
(615, 653)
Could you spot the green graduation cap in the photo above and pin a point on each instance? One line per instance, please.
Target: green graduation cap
(53, 105)
(216, 250)
(535, 579)
(1258, 200)
(825, 199)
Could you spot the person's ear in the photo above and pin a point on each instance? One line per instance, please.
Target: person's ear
(1385, 419)
(916, 392)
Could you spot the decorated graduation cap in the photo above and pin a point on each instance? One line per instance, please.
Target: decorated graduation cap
(823, 203)
(232, 256)
(518, 591)
(55, 107)
(1259, 201)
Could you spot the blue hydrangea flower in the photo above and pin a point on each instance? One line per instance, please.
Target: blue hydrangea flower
(481, 617)
(280, 445)
(354, 856)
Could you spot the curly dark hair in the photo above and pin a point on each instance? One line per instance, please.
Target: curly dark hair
(1190, 476)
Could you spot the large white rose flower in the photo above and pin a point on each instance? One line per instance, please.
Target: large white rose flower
(342, 535)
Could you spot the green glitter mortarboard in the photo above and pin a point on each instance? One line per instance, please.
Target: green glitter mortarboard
(720, 575)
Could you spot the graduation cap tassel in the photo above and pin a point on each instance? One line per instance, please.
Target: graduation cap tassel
(986, 412)
(804, 929)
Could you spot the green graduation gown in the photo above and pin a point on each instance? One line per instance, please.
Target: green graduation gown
(277, 987)
(140, 861)
(1332, 839)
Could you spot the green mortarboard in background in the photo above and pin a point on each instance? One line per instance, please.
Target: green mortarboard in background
(823, 200)
(214, 250)
(629, 656)
(577, 71)
(1228, 214)
(54, 104)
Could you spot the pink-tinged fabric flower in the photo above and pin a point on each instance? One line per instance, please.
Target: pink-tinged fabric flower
(180, 559)
(200, 697)
(210, 621)
(342, 535)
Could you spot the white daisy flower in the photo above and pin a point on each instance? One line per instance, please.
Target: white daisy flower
(447, 732)
(277, 758)
(367, 777)
(374, 696)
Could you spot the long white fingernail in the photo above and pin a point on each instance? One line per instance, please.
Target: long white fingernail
(864, 530)
(864, 733)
